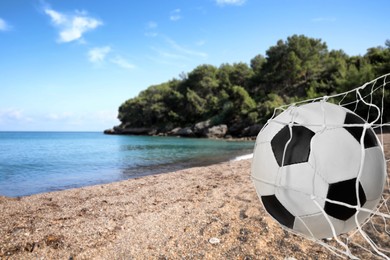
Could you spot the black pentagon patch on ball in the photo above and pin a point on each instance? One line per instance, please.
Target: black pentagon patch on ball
(357, 131)
(298, 149)
(278, 211)
(344, 191)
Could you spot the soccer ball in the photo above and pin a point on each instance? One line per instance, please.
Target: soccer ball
(316, 166)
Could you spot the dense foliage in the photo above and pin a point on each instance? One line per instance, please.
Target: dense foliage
(240, 95)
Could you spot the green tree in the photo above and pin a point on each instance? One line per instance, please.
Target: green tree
(202, 91)
(156, 106)
(240, 95)
(203, 80)
(256, 86)
(223, 75)
(257, 63)
(242, 106)
(240, 75)
(266, 108)
(379, 58)
(292, 65)
(335, 70)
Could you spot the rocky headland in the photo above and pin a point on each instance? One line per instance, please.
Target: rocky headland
(204, 129)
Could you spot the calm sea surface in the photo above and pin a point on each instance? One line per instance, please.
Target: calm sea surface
(35, 162)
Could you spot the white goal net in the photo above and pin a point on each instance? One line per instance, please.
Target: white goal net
(371, 238)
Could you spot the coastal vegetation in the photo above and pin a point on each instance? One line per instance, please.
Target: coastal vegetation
(240, 95)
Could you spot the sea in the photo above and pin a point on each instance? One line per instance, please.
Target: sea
(38, 162)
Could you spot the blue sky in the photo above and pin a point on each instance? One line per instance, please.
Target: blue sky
(68, 65)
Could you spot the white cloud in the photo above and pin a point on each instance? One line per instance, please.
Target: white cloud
(105, 115)
(72, 27)
(4, 25)
(174, 54)
(123, 63)
(151, 25)
(184, 50)
(175, 15)
(98, 54)
(230, 2)
(56, 17)
(151, 29)
(169, 55)
(9, 115)
(200, 42)
(16, 119)
(59, 116)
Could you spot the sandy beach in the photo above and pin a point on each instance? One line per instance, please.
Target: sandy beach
(208, 212)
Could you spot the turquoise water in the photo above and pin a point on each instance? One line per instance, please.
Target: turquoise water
(36, 162)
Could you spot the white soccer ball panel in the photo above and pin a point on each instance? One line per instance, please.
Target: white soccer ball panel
(298, 203)
(298, 184)
(315, 115)
(263, 189)
(264, 169)
(335, 155)
(268, 132)
(373, 176)
(350, 224)
(274, 126)
(317, 226)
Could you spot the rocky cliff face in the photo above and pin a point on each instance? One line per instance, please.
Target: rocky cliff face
(203, 129)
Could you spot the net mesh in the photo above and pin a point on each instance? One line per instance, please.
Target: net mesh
(371, 239)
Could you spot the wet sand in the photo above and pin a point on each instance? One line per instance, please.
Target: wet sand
(210, 212)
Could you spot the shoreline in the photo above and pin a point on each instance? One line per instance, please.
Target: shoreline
(204, 212)
(80, 164)
(150, 171)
